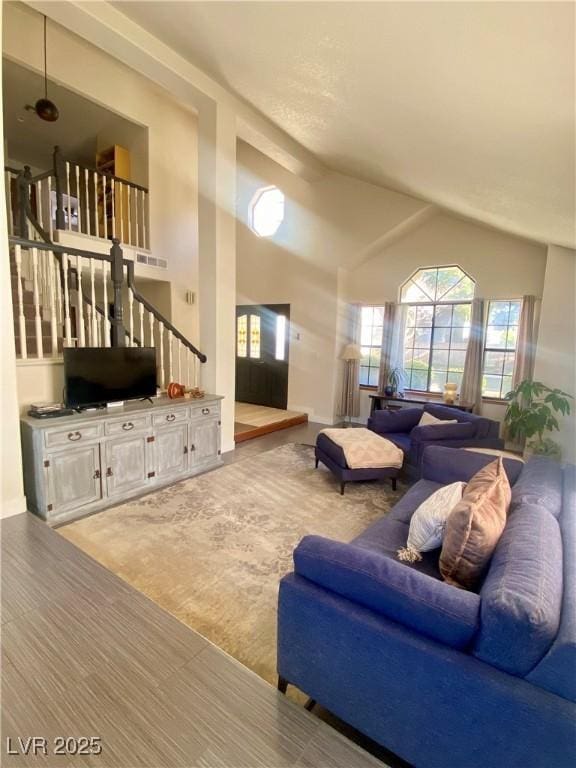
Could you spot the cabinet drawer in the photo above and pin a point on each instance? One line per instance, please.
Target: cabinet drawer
(213, 409)
(72, 434)
(126, 424)
(170, 417)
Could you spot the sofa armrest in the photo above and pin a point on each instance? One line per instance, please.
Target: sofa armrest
(391, 588)
(452, 465)
(463, 430)
(402, 420)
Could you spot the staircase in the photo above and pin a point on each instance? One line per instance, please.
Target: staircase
(32, 344)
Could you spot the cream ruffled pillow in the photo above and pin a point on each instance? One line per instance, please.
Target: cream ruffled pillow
(427, 420)
(429, 520)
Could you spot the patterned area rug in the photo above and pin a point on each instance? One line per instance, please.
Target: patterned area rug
(211, 550)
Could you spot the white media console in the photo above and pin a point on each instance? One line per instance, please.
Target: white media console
(78, 464)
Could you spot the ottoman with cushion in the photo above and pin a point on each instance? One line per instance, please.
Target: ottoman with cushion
(353, 455)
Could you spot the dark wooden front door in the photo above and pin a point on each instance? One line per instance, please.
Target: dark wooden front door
(262, 346)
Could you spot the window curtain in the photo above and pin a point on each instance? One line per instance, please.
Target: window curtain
(471, 386)
(386, 350)
(526, 342)
(349, 405)
(392, 350)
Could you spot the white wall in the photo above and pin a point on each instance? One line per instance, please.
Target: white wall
(556, 354)
(172, 133)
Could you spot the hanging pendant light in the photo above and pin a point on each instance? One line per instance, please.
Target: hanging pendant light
(44, 108)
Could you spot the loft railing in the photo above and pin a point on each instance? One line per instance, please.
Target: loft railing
(76, 198)
(66, 296)
(71, 297)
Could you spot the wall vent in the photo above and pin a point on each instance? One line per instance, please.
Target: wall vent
(151, 261)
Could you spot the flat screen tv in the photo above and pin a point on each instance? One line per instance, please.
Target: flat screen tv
(95, 376)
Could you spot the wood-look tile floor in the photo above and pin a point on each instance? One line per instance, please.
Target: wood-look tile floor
(86, 655)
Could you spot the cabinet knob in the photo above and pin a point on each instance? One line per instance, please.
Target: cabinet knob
(205, 411)
(109, 472)
(74, 436)
(128, 426)
(97, 475)
(170, 417)
(192, 447)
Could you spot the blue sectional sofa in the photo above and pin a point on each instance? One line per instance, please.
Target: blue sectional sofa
(442, 676)
(401, 427)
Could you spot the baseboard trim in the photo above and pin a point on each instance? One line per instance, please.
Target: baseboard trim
(268, 428)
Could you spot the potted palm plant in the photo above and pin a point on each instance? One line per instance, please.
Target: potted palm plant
(395, 378)
(531, 412)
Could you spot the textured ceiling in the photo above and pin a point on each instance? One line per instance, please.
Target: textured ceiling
(469, 105)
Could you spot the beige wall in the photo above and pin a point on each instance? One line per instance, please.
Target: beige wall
(334, 224)
(327, 223)
(556, 354)
(503, 266)
(172, 150)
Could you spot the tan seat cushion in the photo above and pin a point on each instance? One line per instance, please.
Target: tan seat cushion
(474, 526)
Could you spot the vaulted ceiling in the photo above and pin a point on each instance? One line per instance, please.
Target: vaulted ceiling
(468, 105)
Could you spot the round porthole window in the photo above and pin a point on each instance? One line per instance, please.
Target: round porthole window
(267, 211)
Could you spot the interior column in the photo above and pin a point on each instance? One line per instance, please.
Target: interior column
(217, 256)
(12, 499)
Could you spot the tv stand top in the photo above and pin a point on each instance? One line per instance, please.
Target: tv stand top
(129, 408)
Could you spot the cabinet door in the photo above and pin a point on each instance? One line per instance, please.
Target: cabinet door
(171, 448)
(127, 465)
(72, 478)
(204, 441)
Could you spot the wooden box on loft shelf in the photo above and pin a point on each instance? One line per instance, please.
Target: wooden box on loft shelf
(114, 160)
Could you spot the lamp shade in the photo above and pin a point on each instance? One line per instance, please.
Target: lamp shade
(351, 352)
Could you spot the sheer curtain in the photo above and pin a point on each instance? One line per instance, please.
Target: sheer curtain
(386, 365)
(392, 350)
(525, 344)
(471, 387)
(350, 394)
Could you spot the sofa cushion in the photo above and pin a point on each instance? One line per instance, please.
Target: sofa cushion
(390, 588)
(444, 430)
(389, 533)
(522, 592)
(475, 525)
(401, 420)
(539, 484)
(448, 465)
(401, 439)
(557, 670)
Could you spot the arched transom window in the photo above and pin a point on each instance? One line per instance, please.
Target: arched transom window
(437, 327)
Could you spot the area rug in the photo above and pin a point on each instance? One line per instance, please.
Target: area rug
(211, 550)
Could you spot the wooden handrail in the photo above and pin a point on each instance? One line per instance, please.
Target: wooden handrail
(117, 268)
(159, 316)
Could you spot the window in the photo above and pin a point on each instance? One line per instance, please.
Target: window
(437, 327)
(370, 343)
(500, 347)
(267, 211)
(248, 336)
